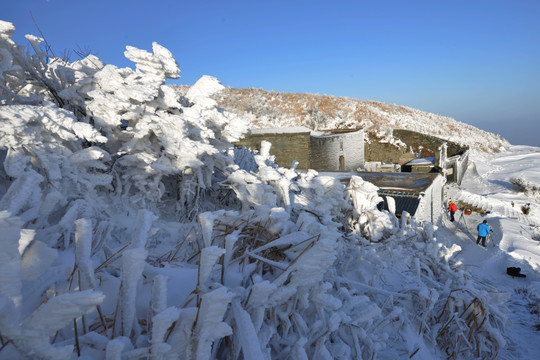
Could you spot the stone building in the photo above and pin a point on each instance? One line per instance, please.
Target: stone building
(336, 150)
(419, 194)
(345, 150)
(446, 157)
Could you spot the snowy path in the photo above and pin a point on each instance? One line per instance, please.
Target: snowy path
(488, 266)
(487, 187)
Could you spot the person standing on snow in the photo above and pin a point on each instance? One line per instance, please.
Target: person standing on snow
(452, 208)
(483, 231)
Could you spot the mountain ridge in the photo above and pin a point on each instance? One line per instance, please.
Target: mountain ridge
(269, 109)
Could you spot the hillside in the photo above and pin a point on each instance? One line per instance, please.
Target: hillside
(277, 109)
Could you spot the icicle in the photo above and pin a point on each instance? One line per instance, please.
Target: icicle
(209, 257)
(83, 250)
(62, 309)
(115, 348)
(15, 162)
(206, 222)
(132, 267)
(27, 235)
(158, 303)
(160, 324)
(21, 192)
(10, 258)
(209, 323)
(230, 241)
(181, 339)
(37, 260)
(143, 224)
(245, 333)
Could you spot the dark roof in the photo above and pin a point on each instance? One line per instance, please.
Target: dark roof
(404, 201)
(399, 181)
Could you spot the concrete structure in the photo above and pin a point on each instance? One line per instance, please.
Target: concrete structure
(420, 165)
(337, 150)
(455, 167)
(421, 195)
(449, 158)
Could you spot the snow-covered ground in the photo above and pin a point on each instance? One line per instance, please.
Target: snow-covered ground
(515, 239)
(130, 228)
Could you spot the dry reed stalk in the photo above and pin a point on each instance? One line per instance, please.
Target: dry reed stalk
(80, 288)
(109, 259)
(116, 309)
(198, 253)
(179, 246)
(71, 277)
(171, 254)
(268, 261)
(4, 344)
(76, 337)
(196, 318)
(459, 330)
(295, 260)
(169, 331)
(198, 280)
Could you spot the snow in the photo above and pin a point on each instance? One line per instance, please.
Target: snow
(422, 161)
(285, 130)
(150, 240)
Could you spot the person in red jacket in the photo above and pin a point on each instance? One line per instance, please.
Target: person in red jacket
(452, 208)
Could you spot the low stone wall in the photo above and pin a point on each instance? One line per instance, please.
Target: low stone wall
(387, 153)
(429, 144)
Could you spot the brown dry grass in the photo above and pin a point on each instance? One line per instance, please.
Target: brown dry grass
(273, 109)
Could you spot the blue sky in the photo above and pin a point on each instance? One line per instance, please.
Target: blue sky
(477, 61)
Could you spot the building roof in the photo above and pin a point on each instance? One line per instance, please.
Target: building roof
(285, 130)
(335, 132)
(422, 161)
(403, 202)
(400, 181)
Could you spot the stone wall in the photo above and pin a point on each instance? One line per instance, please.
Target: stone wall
(340, 151)
(430, 144)
(286, 147)
(387, 153)
(418, 142)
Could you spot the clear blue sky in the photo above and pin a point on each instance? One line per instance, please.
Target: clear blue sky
(477, 61)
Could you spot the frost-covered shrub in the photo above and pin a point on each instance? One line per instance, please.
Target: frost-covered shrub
(129, 131)
(128, 231)
(530, 189)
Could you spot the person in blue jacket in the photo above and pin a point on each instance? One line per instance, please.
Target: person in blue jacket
(483, 231)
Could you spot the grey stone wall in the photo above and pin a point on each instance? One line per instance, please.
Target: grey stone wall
(286, 147)
(385, 152)
(354, 150)
(325, 152)
(338, 151)
(429, 145)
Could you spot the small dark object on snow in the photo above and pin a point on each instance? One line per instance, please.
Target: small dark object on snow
(514, 271)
